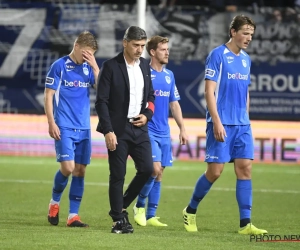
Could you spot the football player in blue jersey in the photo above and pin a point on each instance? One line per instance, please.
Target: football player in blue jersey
(167, 97)
(67, 106)
(228, 133)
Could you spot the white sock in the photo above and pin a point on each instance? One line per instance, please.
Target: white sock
(71, 216)
(52, 202)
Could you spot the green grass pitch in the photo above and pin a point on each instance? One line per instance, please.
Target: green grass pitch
(26, 183)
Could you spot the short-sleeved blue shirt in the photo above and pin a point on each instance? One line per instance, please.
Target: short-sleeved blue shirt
(165, 92)
(231, 72)
(71, 103)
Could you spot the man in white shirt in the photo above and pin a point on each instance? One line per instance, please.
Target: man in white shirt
(124, 104)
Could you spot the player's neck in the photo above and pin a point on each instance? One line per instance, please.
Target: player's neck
(128, 59)
(158, 67)
(73, 58)
(233, 48)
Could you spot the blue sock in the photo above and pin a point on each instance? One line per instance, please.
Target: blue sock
(244, 199)
(153, 200)
(201, 189)
(60, 183)
(141, 201)
(75, 195)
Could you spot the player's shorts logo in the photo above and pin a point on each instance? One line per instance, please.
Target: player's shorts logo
(168, 79)
(85, 71)
(211, 157)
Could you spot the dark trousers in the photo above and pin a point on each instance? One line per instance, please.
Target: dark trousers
(134, 142)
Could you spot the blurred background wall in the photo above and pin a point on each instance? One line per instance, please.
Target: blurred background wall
(33, 34)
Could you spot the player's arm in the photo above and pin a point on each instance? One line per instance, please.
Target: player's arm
(96, 72)
(219, 131)
(53, 130)
(177, 115)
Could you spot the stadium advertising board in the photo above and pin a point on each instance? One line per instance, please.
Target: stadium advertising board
(28, 135)
(46, 31)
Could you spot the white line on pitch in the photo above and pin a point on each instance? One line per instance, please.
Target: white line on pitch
(103, 184)
(174, 168)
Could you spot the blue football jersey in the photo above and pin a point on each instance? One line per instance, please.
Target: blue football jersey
(165, 91)
(231, 72)
(71, 103)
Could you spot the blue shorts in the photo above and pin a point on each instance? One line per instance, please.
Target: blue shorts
(74, 144)
(238, 144)
(161, 150)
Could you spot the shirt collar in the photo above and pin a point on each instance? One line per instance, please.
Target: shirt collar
(137, 62)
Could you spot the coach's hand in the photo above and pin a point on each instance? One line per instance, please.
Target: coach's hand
(111, 141)
(54, 131)
(219, 132)
(140, 120)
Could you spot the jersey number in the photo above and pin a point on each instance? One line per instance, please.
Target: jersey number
(32, 21)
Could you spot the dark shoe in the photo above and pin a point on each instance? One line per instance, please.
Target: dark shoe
(53, 214)
(129, 226)
(76, 222)
(120, 227)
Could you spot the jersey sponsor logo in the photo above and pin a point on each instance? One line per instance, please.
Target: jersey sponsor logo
(210, 72)
(49, 80)
(230, 59)
(237, 76)
(159, 92)
(152, 76)
(85, 71)
(70, 67)
(244, 63)
(76, 84)
(168, 79)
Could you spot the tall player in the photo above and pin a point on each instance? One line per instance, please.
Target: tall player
(228, 133)
(167, 96)
(67, 107)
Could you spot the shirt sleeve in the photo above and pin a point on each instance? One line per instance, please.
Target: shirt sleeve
(53, 76)
(212, 66)
(249, 71)
(174, 94)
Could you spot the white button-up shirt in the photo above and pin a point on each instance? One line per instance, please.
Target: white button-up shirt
(136, 84)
